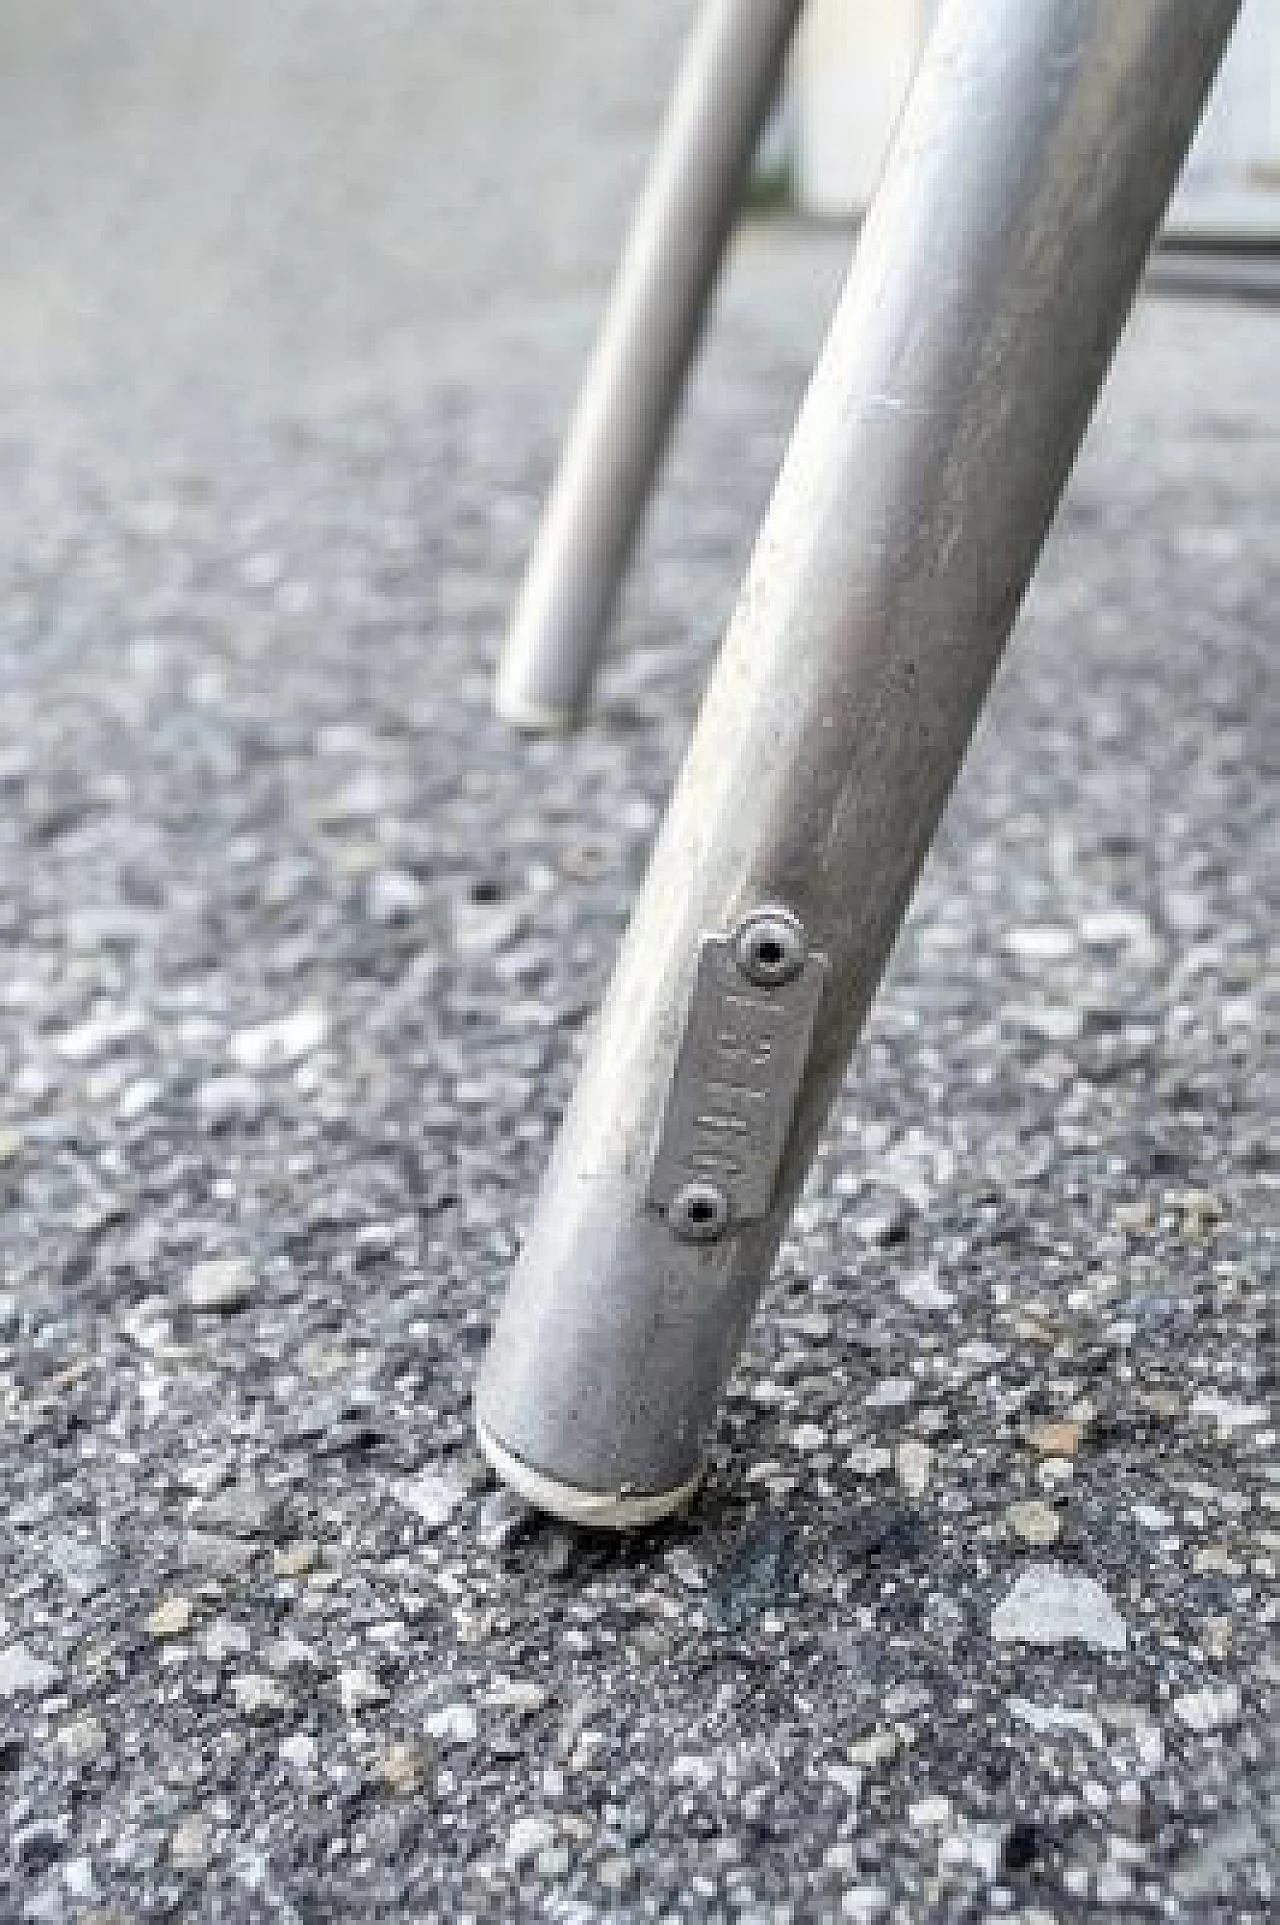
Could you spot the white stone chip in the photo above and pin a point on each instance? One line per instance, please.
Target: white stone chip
(1040, 942)
(455, 1724)
(358, 1688)
(891, 1393)
(21, 1671)
(527, 1837)
(1049, 1606)
(220, 1283)
(924, 1292)
(282, 1043)
(929, 1814)
(914, 1465)
(299, 1750)
(1228, 1413)
(1209, 1709)
(432, 1496)
(257, 1696)
(865, 1902)
(1057, 1717)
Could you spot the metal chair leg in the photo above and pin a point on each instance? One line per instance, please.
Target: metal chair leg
(1026, 182)
(727, 81)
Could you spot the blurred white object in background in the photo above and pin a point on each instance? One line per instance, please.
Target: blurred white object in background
(1231, 183)
(850, 69)
(854, 59)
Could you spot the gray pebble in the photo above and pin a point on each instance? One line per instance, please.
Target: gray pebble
(242, 1511)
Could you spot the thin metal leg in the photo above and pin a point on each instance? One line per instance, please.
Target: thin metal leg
(727, 81)
(1026, 182)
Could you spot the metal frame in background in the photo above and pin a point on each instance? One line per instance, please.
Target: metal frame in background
(727, 82)
(1022, 193)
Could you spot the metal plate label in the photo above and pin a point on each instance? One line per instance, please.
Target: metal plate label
(736, 1080)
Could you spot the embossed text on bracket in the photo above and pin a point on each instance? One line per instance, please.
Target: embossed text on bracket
(736, 1080)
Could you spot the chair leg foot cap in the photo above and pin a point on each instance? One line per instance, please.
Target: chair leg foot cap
(619, 1510)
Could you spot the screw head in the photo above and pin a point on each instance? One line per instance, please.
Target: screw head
(699, 1212)
(770, 947)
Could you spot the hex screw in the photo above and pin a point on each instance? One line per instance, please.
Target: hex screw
(698, 1212)
(770, 947)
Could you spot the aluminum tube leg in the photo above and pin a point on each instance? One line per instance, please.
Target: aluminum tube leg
(1026, 181)
(727, 81)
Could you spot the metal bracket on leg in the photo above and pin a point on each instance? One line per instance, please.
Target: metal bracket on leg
(1027, 178)
(737, 1076)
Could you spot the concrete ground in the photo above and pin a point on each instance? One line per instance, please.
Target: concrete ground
(976, 1616)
